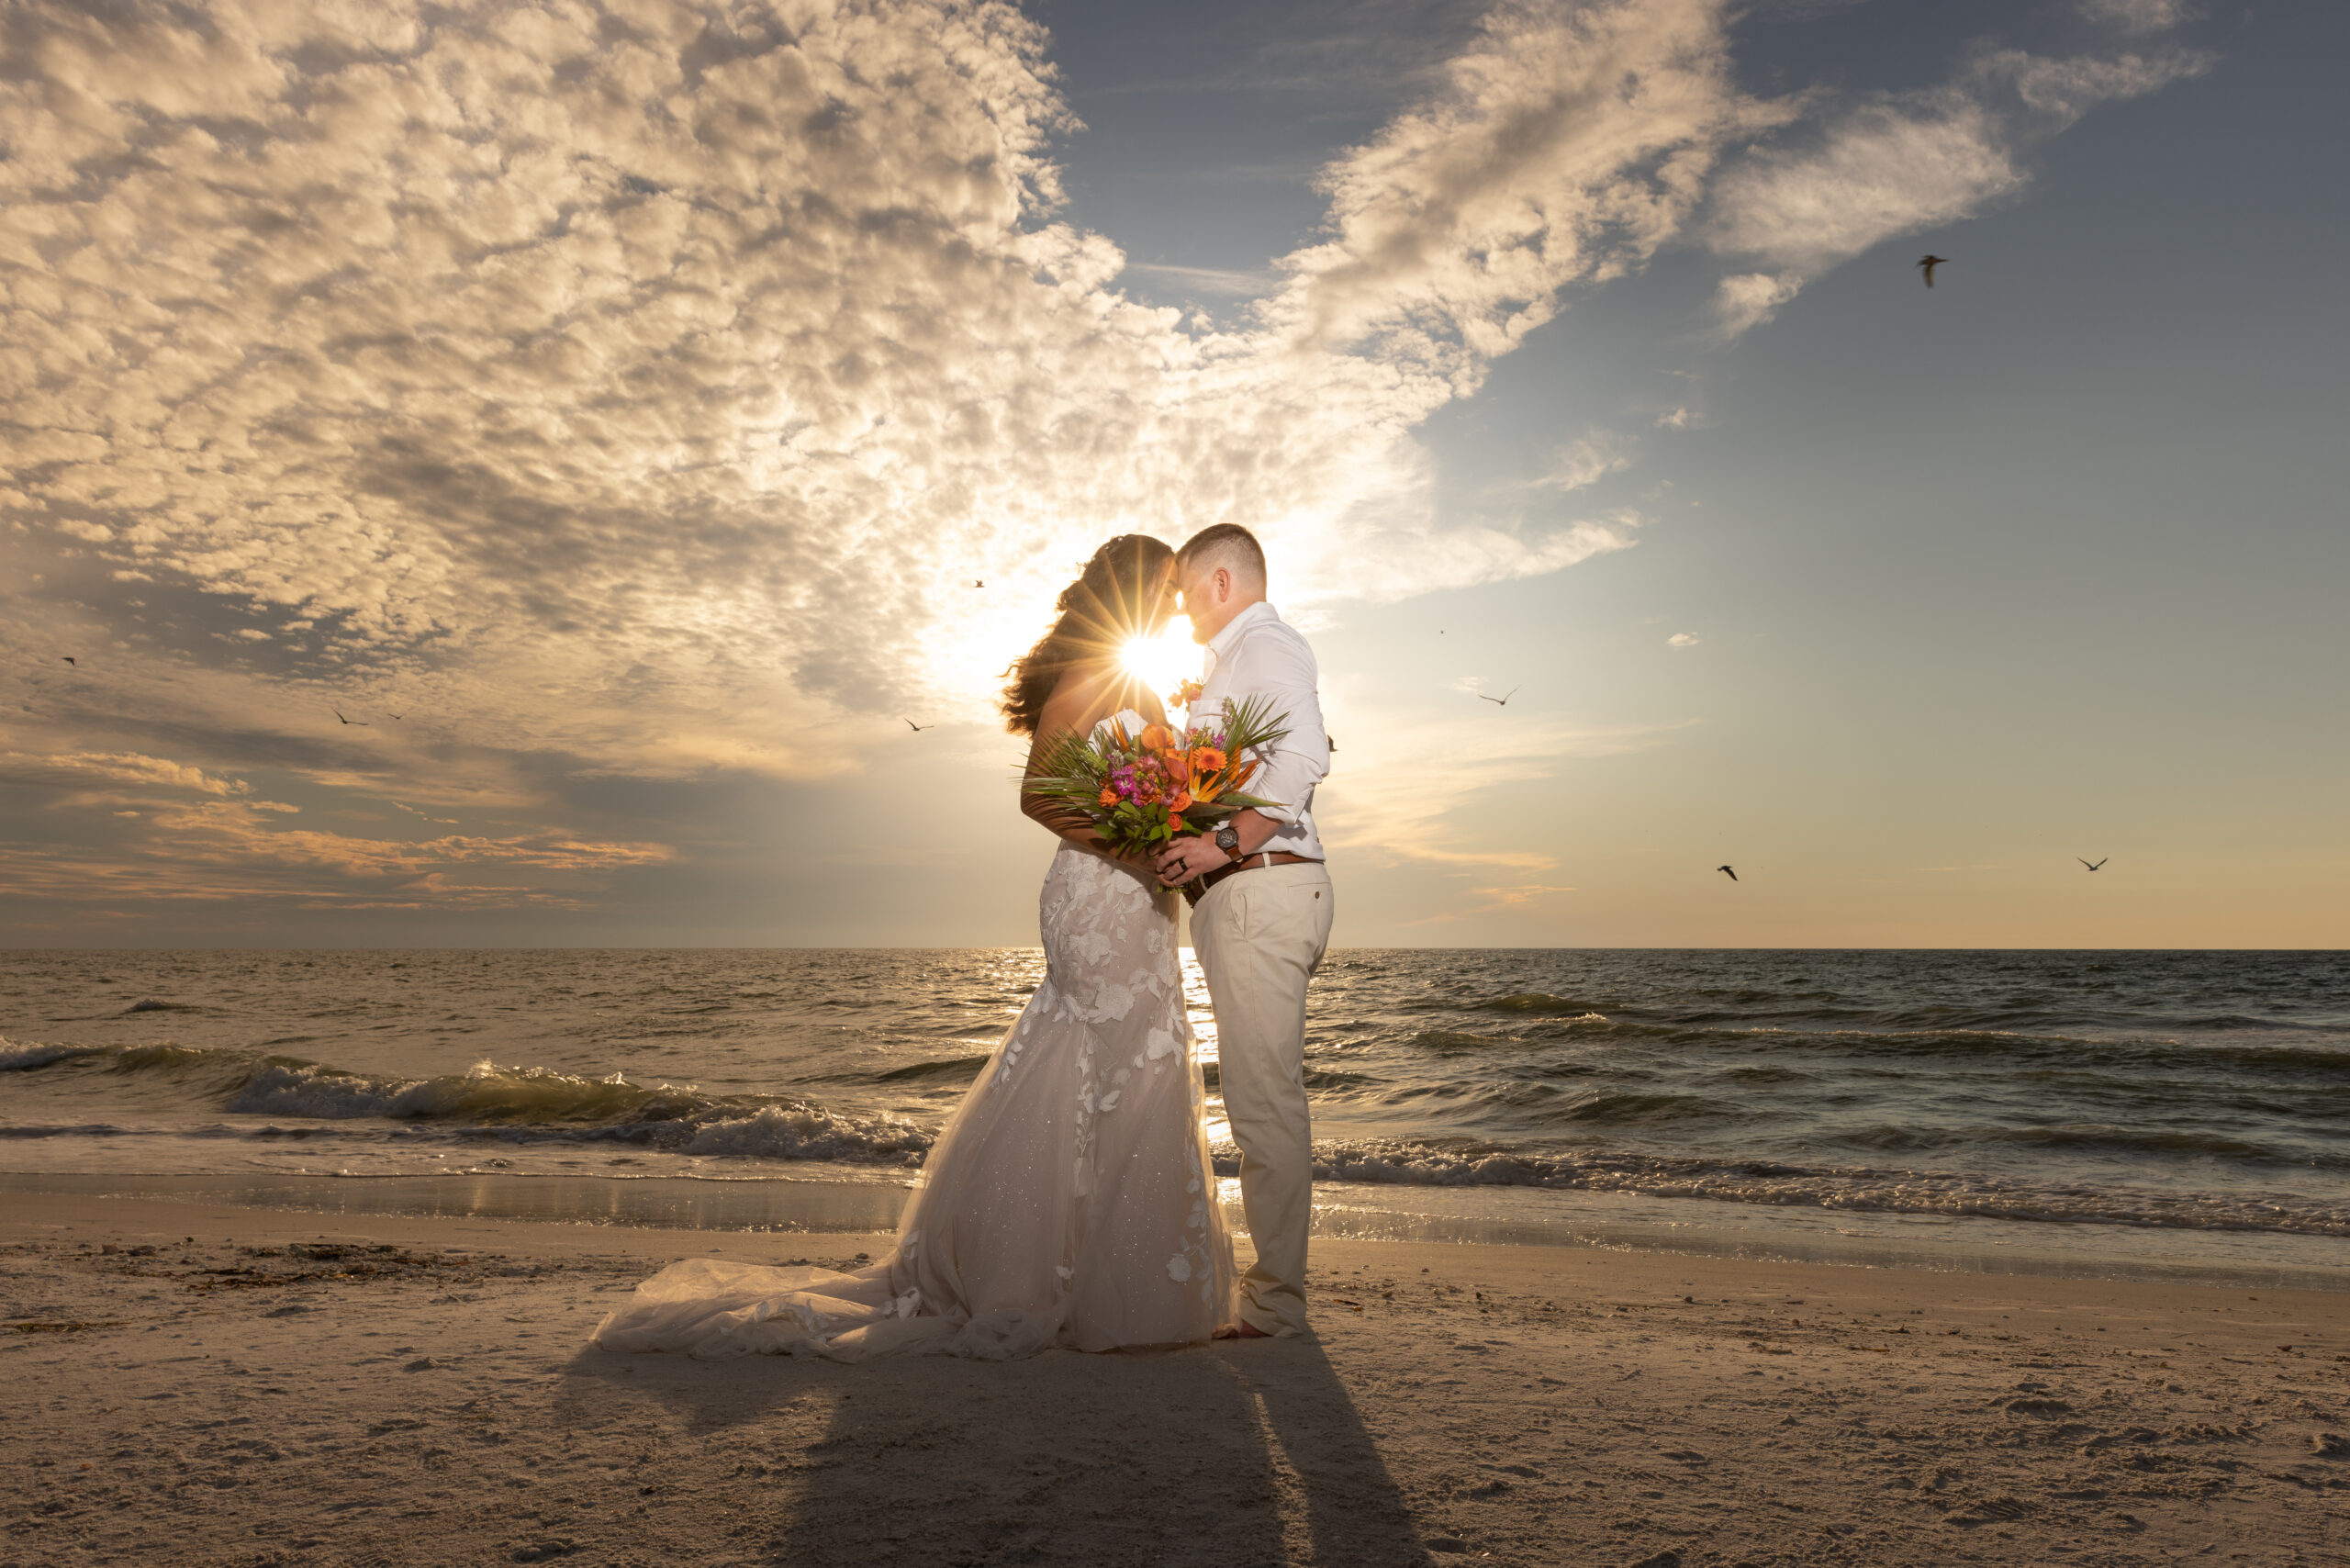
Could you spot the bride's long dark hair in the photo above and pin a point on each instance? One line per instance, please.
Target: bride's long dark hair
(1112, 601)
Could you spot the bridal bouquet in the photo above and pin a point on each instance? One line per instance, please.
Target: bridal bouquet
(1144, 790)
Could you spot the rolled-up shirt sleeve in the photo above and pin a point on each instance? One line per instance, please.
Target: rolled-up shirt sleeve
(1275, 665)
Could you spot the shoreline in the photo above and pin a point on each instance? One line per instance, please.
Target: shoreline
(274, 1387)
(827, 1201)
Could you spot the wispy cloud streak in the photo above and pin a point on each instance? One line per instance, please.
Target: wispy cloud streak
(1904, 164)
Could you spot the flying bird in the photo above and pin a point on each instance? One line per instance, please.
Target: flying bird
(69, 659)
(395, 715)
(1726, 872)
(361, 723)
(919, 728)
(2100, 862)
(980, 583)
(1927, 265)
(1500, 702)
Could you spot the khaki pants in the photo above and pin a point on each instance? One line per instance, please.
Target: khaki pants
(1259, 937)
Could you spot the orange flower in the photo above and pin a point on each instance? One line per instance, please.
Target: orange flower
(1181, 802)
(1247, 772)
(1175, 824)
(1207, 760)
(1109, 797)
(1153, 738)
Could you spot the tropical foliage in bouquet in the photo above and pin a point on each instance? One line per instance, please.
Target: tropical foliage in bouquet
(1142, 790)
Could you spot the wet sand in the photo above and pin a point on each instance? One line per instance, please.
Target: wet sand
(190, 1384)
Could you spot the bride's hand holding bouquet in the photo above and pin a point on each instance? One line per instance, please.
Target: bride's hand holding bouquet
(1142, 789)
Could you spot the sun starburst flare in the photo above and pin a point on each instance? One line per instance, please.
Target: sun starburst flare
(1160, 662)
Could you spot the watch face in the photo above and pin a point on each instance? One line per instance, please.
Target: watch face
(1227, 838)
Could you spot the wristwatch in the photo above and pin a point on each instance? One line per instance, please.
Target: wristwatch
(1227, 838)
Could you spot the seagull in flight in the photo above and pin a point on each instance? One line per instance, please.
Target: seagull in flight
(1927, 264)
(2100, 862)
(980, 582)
(919, 728)
(361, 723)
(1500, 702)
(1726, 872)
(69, 659)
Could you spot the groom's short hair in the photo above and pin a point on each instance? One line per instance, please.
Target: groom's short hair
(1225, 545)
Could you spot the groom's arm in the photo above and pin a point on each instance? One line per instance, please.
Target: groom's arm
(1280, 671)
(1198, 855)
(1253, 828)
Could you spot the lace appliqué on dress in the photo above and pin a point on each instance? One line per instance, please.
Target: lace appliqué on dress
(1057, 1207)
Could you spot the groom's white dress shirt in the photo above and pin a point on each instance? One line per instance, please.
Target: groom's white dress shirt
(1260, 654)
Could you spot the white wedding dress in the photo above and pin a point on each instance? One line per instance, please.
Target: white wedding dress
(1069, 1202)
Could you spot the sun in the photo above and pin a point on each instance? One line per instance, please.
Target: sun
(1160, 662)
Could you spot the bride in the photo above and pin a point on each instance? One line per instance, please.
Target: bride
(1069, 1200)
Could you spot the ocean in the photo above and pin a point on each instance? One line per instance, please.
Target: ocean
(2173, 1114)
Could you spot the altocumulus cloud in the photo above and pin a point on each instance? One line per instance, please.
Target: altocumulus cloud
(630, 384)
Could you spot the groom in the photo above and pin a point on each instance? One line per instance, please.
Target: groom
(1261, 914)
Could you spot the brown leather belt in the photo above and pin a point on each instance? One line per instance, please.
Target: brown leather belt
(1197, 888)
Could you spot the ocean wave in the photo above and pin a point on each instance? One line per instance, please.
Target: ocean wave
(810, 1132)
(1830, 1012)
(1542, 1002)
(1947, 1041)
(963, 1067)
(1456, 1042)
(1620, 1108)
(1669, 1124)
(525, 1104)
(485, 1093)
(1826, 1187)
(2168, 1143)
(2176, 1141)
(2038, 1019)
(83, 1129)
(784, 1134)
(1768, 1075)
(15, 1058)
(1317, 1078)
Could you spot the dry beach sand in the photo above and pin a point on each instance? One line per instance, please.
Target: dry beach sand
(289, 1388)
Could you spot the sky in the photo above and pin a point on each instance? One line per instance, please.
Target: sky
(515, 473)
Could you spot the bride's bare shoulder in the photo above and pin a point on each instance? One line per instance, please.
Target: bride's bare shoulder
(1085, 696)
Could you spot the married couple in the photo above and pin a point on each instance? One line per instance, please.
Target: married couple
(1069, 1200)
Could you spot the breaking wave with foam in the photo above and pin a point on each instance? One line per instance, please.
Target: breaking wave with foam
(485, 1102)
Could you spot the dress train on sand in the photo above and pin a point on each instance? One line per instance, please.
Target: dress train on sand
(1069, 1200)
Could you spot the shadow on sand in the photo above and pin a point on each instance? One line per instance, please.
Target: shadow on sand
(1231, 1455)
